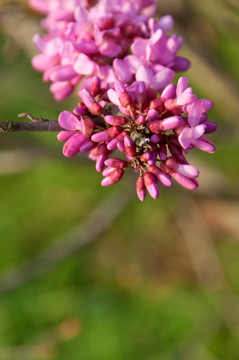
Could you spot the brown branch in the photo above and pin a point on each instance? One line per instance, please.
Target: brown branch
(39, 124)
(16, 126)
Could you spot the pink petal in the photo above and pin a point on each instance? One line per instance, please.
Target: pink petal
(61, 90)
(150, 181)
(87, 146)
(63, 73)
(84, 65)
(68, 121)
(53, 47)
(41, 62)
(62, 14)
(113, 178)
(186, 97)
(155, 139)
(204, 144)
(140, 188)
(40, 6)
(210, 127)
(139, 46)
(190, 184)
(87, 47)
(106, 135)
(185, 137)
(153, 115)
(99, 164)
(198, 131)
(64, 135)
(162, 78)
(130, 147)
(116, 163)
(182, 85)
(206, 104)
(169, 92)
(195, 114)
(81, 14)
(188, 170)
(166, 23)
(171, 123)
(133, 62)
(39, 42)
(113, 97)
(153, 190)
(180, 64)
(72, 146)
(119, 87)
(107, 171)
(122, 70)
(107, 181)
(165, 179)
(116, 120)
(156, 36)
(87, 97)
(109, 48)
(144, 73)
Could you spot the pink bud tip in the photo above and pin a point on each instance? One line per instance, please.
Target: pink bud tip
(157, 104)
(150, 181)
(153, 115)
(186, 182)
(140, 188)
(63, 73)
(125, 99)
(141, 120)
(116, 163)
(87, 146)
(106, 135)
(116, 120)
(64, 135)
(171, 123)
(113, 178)
(130, 147)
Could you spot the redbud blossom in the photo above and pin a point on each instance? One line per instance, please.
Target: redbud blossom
(124, 62)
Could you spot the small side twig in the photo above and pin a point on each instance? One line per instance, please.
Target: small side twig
(31, 117)
(39, 124)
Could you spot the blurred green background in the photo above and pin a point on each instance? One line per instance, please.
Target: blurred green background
(160, 279)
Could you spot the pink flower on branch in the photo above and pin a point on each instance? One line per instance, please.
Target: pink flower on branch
(130, 114)
(85, 40)
(149, 138)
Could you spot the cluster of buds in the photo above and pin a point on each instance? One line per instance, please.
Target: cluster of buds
(151, 135)
(125, 64)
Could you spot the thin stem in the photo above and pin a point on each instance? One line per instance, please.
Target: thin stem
(40, 124)
(14, 126)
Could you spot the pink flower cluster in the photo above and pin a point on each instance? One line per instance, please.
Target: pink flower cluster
(125, 63)
(111, 40)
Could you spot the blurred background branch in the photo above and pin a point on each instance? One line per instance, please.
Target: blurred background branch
(77, 239)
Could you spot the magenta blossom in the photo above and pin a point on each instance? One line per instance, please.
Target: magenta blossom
(130, 114)
(148, 137)
(86, 41)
